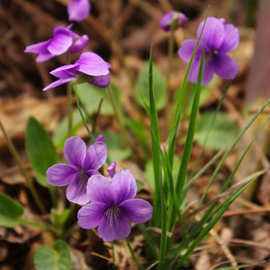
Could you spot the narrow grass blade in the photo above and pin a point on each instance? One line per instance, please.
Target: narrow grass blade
(182, 172)
(180, 106)
(210, 220)
(156, 153)
(211, 123)
(216, 199)
(226, 154)
(204, 168)
(159, 207)
(229, 180)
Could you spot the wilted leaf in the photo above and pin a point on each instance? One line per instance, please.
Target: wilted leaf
(18, 110)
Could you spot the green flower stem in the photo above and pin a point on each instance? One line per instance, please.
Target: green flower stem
(118, 114)
(83, 114)
(70, 109)
(37, 224)
(95, 120)
(22, 169)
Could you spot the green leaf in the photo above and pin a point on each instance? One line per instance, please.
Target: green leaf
(116, 149)
(215, 130)
(59, 218)
(10, 211)
(138, 129)
(55, 258)
(149, 171)
(61, 132)
(90, 96)
(205, 95)
(159, 87)
(40, 149)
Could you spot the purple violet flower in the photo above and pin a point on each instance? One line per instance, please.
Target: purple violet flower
(82, 163)
(173, 19)
(62, 41)
(112, 169)
(89, 64)
(216, 41)
(78, 10)
(113, 206)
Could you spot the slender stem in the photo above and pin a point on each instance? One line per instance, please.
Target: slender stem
(95, 120)
(70, 109)
(133, 255)
(119, 115)
(117, 111)
(21, 167)
(72, 212)
(37, 224)
(83, 115)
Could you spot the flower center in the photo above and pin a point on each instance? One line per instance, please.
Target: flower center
(211, 54)
(215, 52)
(112, 214)
(83, 175)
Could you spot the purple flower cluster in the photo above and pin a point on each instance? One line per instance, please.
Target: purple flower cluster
(173, 20)
(63, 40)
(108, 203)
(113, 206)
(82, 163)
(89, 64)
(215, 39)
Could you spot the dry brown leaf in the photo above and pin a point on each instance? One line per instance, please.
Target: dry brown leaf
(203, 262)
(15, 113)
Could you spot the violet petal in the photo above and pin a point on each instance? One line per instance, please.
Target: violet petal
(213, 33)
(76, 191)
(114, 229)
(91, 215)
(186, 49)
(99, 189)
(225, 67)
(96, 155)
(60, 44)
(92, 64)
(58, 83)
(64, 72)
(231, 40)
(137, 210)
(123, 186)
(101, 81)
(75, 151)
(61, 174)
(79, 44)
(78, 10)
